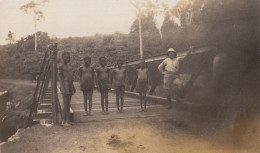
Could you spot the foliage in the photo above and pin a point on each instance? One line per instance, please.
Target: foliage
(223, 23)
(33, 8)
(11, 37)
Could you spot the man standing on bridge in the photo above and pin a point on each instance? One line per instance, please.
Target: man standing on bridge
(65, 76)
(118, 79)
(87, 79)
(103, 84)
(169, 68)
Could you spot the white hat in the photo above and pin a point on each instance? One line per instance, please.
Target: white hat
(171, 50)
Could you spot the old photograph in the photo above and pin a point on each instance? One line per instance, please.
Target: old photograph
(130, 76)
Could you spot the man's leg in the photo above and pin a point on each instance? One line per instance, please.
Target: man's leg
(117, 100)
(68, 108)
(63, 108)
(102, 100)
(85, 102)
(169, 98)
(122, 94)
(144, 100)
(141, 100)
(167, 84)
(106, 100)
(90, 101)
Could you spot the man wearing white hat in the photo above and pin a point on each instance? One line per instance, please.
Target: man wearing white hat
(169, 68)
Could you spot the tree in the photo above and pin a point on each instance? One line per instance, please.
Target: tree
(33, 8)
(11, 37)
(137, 5)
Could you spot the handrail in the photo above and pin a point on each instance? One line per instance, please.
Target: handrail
(48, 73)
(36, 94)
(182, 52)
(156, 76)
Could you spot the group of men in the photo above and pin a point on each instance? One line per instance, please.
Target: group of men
(103, 79)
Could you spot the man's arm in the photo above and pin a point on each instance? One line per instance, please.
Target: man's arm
(112, 77)
(161, 67)
(187, 55)
(97, 77)
(93, 76)
(149, 77)
(108, 74)
(125, 75)
(60, 78)
(80, 74)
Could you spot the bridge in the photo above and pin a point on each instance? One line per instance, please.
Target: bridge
(46, 107)
(194, 116)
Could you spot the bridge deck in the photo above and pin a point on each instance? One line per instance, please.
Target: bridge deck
(131, 108)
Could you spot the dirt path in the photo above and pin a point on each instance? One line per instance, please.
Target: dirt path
(159, 134)
(182, 129)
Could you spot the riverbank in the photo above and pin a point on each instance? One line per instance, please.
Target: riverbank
(20, 96)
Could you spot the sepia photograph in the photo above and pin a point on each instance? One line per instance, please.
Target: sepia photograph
(130, 76)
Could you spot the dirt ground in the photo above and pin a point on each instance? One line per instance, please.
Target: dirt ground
(140, 135)
(183, 129)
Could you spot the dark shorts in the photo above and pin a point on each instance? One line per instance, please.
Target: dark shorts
(142, 86)
(120, 88)
(68, 87)
(103, 84)
(88, 91)
(86, 86)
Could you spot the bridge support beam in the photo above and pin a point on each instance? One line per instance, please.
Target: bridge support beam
(53, 52)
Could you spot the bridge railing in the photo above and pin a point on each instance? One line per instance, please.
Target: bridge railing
(48, 73)
(202, 55)
(38, 92)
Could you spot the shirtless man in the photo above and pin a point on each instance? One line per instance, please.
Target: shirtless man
(103, 77)
(118, 80)
(65, 76)
(143, 80)
(86, 79)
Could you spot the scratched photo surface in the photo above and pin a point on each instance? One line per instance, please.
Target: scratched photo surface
(129, 76)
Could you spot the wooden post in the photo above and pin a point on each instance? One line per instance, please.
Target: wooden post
(53, 53)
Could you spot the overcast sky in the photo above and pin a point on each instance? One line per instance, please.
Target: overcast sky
(64, 18)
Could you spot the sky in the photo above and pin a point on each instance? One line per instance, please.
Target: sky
(65, 18)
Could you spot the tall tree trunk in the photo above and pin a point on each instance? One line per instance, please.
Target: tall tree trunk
(140, 34)
(35, 37)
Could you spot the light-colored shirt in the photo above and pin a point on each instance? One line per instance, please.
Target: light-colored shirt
(170, 65)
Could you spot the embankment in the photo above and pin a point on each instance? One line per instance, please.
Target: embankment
(20, 97)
